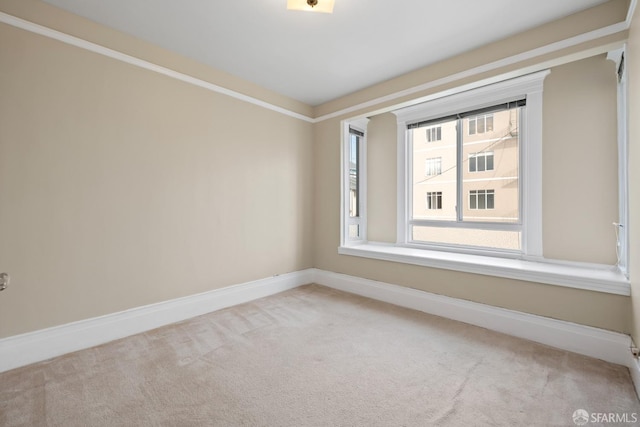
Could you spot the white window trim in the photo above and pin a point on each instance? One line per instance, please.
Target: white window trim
(587, 276)
(345, 219)
(623, 166)
(593, 277)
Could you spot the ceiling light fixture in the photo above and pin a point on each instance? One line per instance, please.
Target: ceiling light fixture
(324, 6)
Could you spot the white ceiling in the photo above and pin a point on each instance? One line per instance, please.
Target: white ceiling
(314, 57)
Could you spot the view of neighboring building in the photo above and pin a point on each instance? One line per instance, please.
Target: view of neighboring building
(355, 141)
(486, 189)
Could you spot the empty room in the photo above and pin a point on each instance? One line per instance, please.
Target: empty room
(319, 213)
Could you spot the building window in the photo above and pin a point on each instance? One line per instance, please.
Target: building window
(480, 124)
(434, 133)
(481, 199)
(434, 200)
(433, 166)
(480, 162)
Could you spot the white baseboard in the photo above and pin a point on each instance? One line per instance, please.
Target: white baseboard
(634, 369)
(41, 345)
(598, 343)
(21, 350)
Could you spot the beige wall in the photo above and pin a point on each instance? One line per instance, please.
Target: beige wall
(120, 187)
(580, 161)
(52, 17)
(382, 184)
(633, 64)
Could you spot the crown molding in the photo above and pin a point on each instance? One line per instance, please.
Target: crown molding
(511, 60)
(123, 57)
(491, 66)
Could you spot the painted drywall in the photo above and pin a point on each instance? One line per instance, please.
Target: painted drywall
(121, 187)
(633, 69)
(382, 185)
(126, 188)
(580, 162)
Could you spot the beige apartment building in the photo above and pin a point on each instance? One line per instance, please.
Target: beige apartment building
(489, 187)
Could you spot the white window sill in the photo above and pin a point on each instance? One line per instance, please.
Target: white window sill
(593, 277)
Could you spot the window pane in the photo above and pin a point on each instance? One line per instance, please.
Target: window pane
(489, 160)
(472, 163)
(494, 239)
(472, 126)
(354, 171)
(354, 231)
(480, 125)
(499, 157)
(490, 123)
(473, 198)
(434, 173)
(481, 199)
(439, 133)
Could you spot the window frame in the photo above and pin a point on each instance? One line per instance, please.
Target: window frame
(345, 219)
(529, 87)
(618, 56)
(461, 221)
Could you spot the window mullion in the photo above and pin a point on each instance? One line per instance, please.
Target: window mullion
(459, 170)
(502, 226)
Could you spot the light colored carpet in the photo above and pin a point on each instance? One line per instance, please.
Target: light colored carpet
(314, 356)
